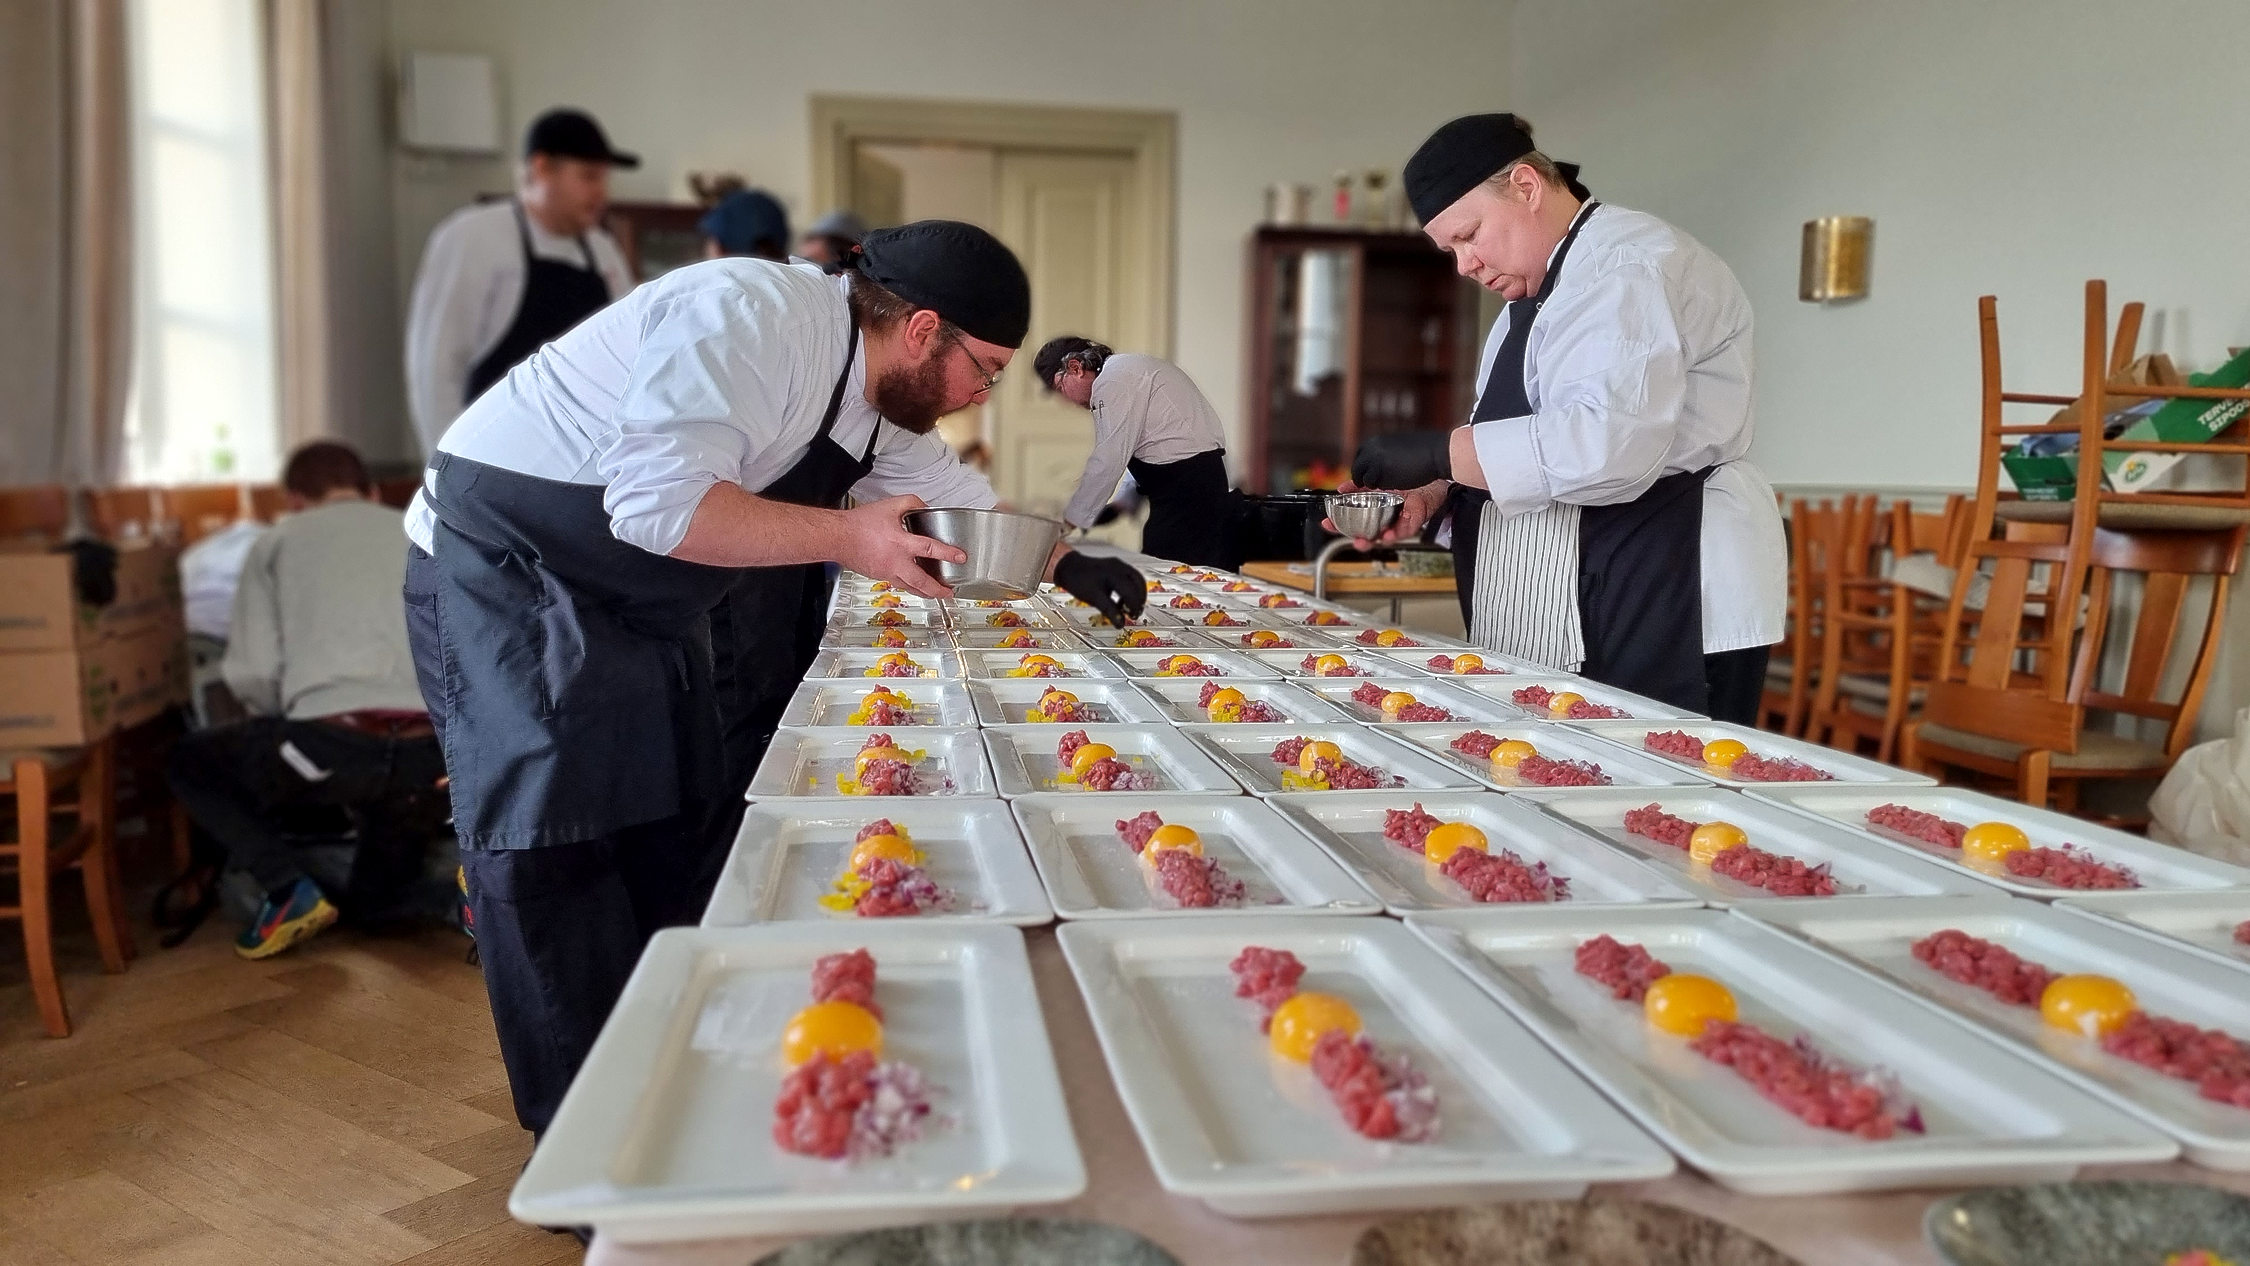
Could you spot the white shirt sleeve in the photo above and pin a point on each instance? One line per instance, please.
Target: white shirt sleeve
(1118, 425)
(924, 466)
(452, 290)
(708, 391)
(1612, 385)
(252, 665)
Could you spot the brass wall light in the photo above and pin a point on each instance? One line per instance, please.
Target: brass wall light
(1834, 263)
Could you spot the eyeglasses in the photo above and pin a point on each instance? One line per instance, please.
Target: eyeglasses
(990, 377)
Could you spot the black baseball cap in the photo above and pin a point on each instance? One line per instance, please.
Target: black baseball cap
(574, 134)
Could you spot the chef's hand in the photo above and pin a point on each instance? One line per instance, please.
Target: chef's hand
(877, 544)
(1420, 506)
(1407, 459)
(1108, 585)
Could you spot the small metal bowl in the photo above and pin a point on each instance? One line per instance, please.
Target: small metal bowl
(1007, 551)
(1364, 515)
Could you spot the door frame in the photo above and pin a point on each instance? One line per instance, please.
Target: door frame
(1149, 137)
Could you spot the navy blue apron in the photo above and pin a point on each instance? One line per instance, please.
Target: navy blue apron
(1640, 562)
(556, 296)
(1190, 510)
(576, 670)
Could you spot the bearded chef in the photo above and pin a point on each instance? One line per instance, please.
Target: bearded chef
(583, 518)
(1603, 518)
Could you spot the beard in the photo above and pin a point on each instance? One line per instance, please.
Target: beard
(913, 397)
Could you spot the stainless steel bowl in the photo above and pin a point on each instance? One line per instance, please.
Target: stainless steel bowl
(1007, 551)
(1364, 515)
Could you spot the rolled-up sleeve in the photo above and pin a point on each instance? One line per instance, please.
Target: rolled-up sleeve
(924, 466)
(707, 379)
(1612, 378)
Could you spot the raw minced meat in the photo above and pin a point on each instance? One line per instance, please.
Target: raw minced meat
(1419, 711)
(1067, 746)
(1915, 824)
(886, 778)
(1373, 637)
(812, 1114)
(1308, 665)
(2242, 932)
(1444, 664)
(1751, 767)
(1187, 602)
(887, 712)
(1287, 751)
(1347, 775)
(1407, 828)
(880, 826)
(1039, 670)
(2068, 867)
(1221, 620)
(1136, 829)
(1665, 828)
(1677, 744)
(1542, 771)
(1112, 774)
(1807, 1084)
(1272, 600)
(1777, 873)
(1267, 976)
(1197, 883)
(1259, 712)
(1381, 1095)
(899, 670)
(1004, 620)
(1582, 710)
(896, 888)
(1503, 877)
(1477, 744)
(1626, 970)
(1370, 694)
(2218, 1063)
(1270, 644)
(1991, 967)
(847, 977)
(1197, 669)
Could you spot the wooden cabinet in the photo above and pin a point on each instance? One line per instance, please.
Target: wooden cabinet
(656, 237)
(1352, 334)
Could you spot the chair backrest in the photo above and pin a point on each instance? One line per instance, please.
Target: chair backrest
(120, 512)
(2168, 564)
(198, 510)
(41, 510)
(1943, 534)
(268, 502)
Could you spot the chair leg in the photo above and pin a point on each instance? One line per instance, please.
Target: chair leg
(32, 826)
(2066, 794)
(97, 790)
(2031, 777)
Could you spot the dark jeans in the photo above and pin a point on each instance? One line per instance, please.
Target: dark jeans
(1735, 679)
(559, 928)
(234, 782)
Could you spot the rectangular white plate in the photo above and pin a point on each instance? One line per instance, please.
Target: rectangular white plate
(1084, 618)
(1178, 639)
(1559, 742)
(1504, 667)
(1427, 643)
(920, 639)
(1092, 874)
(1291, 664)
(805, 762)
(1235, 638)
(1176, 698)
(789, 853)
(1429, 690)
(666, 1133)
(1991, 1117)
(1247, 752)
(2159, 867)
(824, 702)
(1349, 824)
(2166, 980)
(835, 664)
(1007, 700)
(1862, 868)
(842, 618)
(1034, 616)
(1041, 640)
(2201, 921)
(1241, 622)
(1023, 756)
(1141, 664)
(1250, 1135)
(1503, 690)
(1346, 624)
(1843, 766)
(998, 665)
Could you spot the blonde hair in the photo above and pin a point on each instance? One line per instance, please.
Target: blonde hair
(1541, 165)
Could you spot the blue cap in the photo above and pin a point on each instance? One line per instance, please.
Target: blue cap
(745, 218)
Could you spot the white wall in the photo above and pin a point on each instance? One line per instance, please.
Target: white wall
(1265, 91)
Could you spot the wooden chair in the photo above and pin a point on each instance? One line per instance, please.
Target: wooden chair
(198, 510)
(41, 510)
(267, 502)
(1814, 540)
(1880, 648)
(2043, 744)
(396, 493)
(36, 780)
(121, 512)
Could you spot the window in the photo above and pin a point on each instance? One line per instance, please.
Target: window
(202, 404)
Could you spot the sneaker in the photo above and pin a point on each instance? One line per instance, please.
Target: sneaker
(281, 924)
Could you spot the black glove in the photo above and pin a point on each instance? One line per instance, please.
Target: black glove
(1108, 585)
(93, 569)
(1407, 459)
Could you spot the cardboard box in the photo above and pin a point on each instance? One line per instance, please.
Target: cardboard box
(40, 610)
(2183, 421)
(74, 696)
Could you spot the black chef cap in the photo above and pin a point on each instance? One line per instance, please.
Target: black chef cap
(957, 270)
(1460, 156)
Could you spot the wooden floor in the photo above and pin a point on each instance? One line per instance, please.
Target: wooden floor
(343, 1102)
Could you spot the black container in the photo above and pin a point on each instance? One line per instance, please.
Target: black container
(1281, 527)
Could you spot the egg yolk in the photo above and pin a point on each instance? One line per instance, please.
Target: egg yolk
(1447, 838)
(1563, 701)
(833, 1029)
(1511, 753)
(1136, 637)
(1053, 698)
(1225, 705)
(1682, 1003)
(1174, 663)
(1216, 617)
(890, 637)
(1467, 663)
(2090, 1006)
(1264, 637)
(1721, 753)
(1329, 663)
(1389, 637)
(1991, 842)
(1396, 701)
(1318, 750)
(1710, 839)
(1299, 1022)
(1034, 661)
(890, 752)
(890, 600)
(894, 658)
(1083, 759)
(894, 848)
(1019, 638)
(873, 691)
(1172, 835)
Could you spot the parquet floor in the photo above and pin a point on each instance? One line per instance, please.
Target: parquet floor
(341, 1103)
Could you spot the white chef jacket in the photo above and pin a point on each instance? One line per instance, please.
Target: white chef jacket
(1638, 366)
(717, 371)
(1145, 407)
(465, 297)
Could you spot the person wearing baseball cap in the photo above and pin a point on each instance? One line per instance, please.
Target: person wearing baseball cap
(616, 579)
(501, 278)
(1603, 514)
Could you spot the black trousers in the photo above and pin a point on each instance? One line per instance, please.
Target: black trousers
(234, 781)
(559, 928)
(1735, 680)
